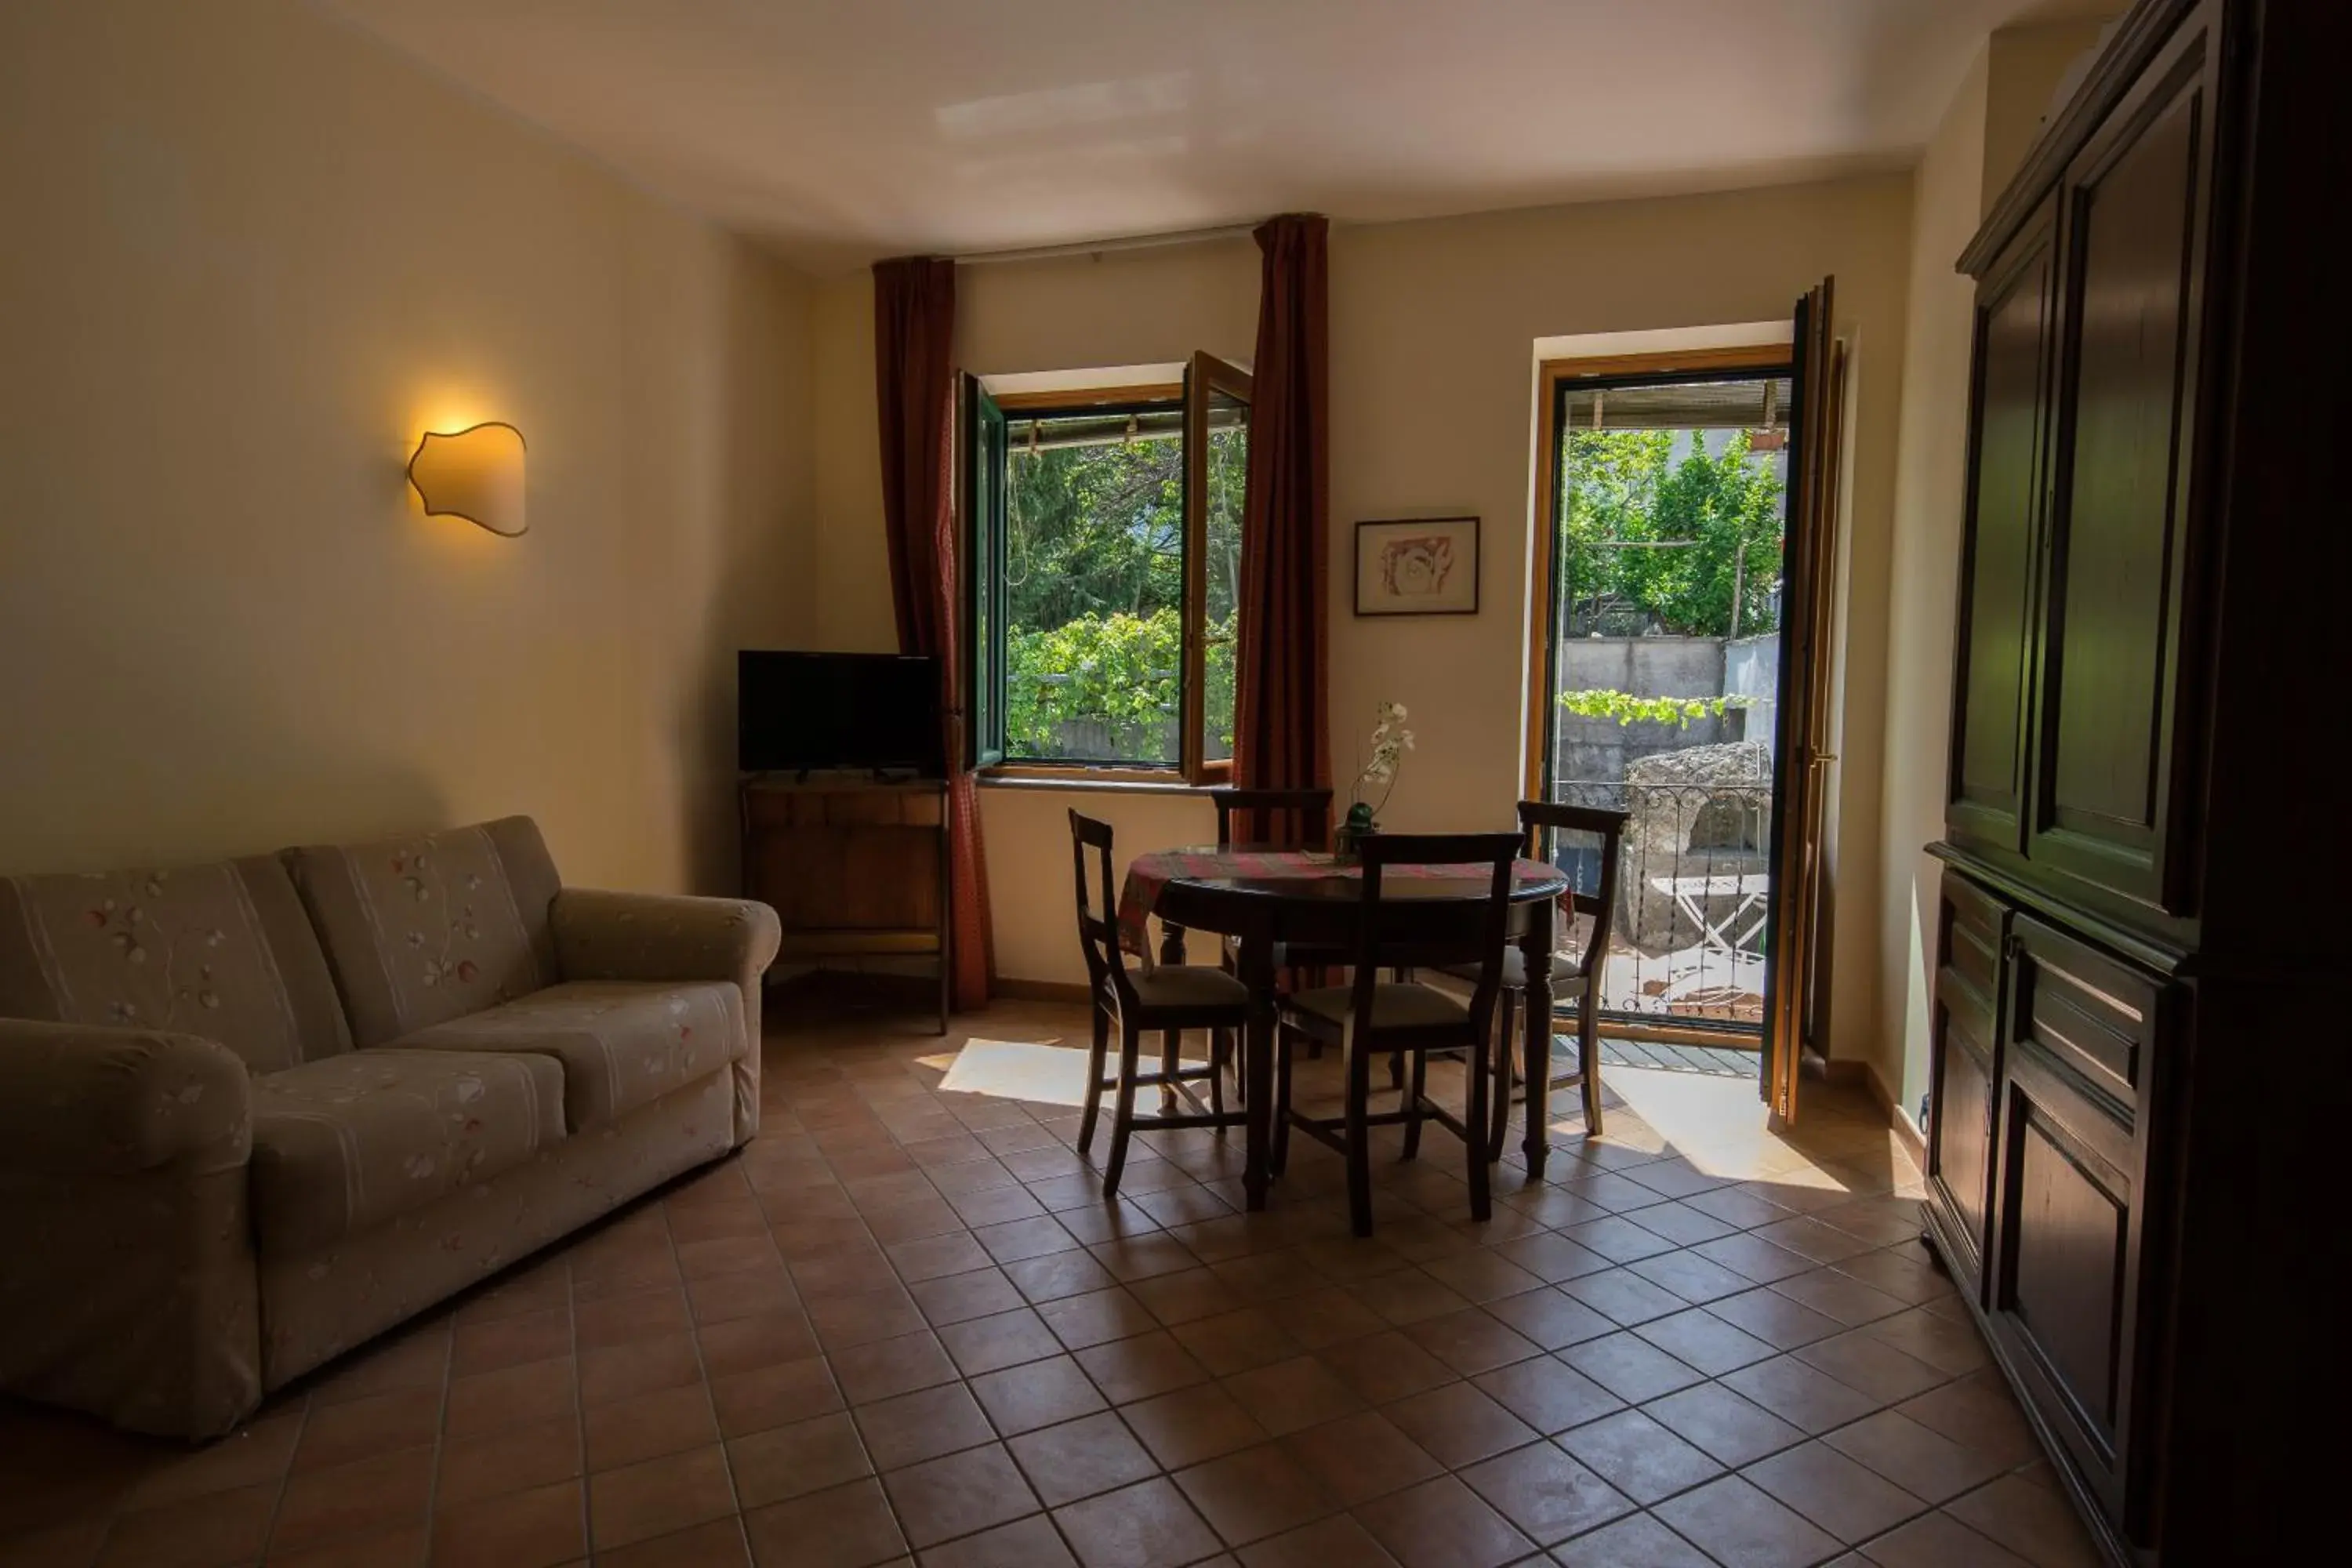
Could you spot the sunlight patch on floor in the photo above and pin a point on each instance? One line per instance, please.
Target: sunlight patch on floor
(1717, 1124)
(1043, 1073)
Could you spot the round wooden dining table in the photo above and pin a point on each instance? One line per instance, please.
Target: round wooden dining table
(1272, 898)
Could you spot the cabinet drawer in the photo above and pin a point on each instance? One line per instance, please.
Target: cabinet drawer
(2088, 1012)
(874, 808)
(841, 807)
(1969, 943)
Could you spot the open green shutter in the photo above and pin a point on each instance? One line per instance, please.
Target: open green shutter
(982, 485)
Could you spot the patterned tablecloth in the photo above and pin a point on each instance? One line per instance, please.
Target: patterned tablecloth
(1150, 872)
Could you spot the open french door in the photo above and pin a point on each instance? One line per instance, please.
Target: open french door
(1800, 808)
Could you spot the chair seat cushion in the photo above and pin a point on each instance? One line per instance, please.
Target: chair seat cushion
(1394, 1007)
(1187, 986)
(341, 1145)
(622, 1044)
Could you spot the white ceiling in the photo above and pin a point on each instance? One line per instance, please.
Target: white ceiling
(842, 130)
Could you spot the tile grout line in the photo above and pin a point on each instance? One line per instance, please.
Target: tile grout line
(578, 1411)
(1420, 1198)
(733, 1159)
(285, 1479)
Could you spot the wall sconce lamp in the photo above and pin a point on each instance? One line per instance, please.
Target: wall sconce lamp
(474, 473)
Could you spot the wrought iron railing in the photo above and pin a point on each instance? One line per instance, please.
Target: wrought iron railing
(1693, 892)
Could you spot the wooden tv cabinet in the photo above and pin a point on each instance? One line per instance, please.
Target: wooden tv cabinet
(854, 866)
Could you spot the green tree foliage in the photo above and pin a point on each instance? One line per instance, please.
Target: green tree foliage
(1624, 485)
(1119, 670)
(1094, 590)
(1093, 530)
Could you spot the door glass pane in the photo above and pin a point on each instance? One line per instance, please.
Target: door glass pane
(1666, 650)
(1228, 471)
(1094, 580)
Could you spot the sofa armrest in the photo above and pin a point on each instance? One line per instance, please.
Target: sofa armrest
(100, 1101)
(662, 936)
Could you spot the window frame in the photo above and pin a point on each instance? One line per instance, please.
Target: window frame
(979, 430)
(1555, 379)
(982, 493)
(1205, 377)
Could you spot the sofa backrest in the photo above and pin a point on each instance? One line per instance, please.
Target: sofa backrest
(420, 930)
(220, 951)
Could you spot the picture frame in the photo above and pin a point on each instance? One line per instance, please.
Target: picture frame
(1417, 566)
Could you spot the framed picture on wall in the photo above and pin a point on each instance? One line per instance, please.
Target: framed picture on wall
(1417, 566)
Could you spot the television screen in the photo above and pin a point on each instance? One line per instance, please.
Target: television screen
(799, 710)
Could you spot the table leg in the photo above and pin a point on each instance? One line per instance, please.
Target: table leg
(1257, 1064)
(1172, 943)
(1534, 946)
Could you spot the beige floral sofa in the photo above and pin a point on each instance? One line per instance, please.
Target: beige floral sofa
(253, 1113)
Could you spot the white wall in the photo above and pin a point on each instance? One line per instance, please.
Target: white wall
(1432, 331)
(249, 257)
(1929, 488)
(1984, 133)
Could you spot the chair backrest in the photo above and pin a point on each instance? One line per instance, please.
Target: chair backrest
(1299, 818)
(1098, 907)
(1395, 932)
(1545, 820)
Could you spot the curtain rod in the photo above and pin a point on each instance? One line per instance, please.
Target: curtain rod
(1099, 246)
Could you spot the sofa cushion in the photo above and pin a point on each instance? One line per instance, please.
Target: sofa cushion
(623, 1043)
(220, 951)
(423, 930)
(340, 1146)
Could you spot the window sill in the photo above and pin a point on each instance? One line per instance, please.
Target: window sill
(1089, 781)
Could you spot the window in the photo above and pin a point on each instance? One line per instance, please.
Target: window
(1102, 573)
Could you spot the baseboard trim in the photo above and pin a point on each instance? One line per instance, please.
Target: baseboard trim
(1038, 990)
(1864, 1076)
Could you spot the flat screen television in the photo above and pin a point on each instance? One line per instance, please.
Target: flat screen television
(800, 712)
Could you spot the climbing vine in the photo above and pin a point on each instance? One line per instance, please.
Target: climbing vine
(1600, 702)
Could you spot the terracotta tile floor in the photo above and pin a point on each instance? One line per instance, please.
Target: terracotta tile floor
(904, 1326)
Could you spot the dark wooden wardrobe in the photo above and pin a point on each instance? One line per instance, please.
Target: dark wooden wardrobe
(2142, 992)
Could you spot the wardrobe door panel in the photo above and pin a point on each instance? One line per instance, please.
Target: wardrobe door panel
(1999, 554)
(2136, 205)
(2071, 1220)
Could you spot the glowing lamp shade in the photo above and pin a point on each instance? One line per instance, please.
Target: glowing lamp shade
(474, 473)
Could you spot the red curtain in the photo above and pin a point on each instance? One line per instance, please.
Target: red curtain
(914, 374)
(1282, 733)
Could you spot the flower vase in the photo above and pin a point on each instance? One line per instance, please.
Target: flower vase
(1346, 844)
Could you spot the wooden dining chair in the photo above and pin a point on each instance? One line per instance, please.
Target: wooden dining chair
(1299, 818)
(1371, 1016)
(1292, 818)
(1167, 999)
(1576, 978)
